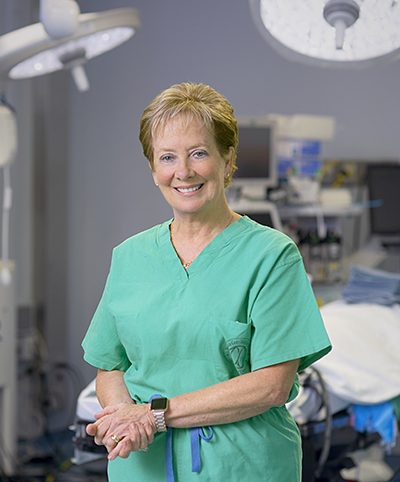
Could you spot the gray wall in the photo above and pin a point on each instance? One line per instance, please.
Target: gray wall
(110, 193)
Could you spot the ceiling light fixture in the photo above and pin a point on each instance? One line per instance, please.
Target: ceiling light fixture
(31, 51)
(331, 33)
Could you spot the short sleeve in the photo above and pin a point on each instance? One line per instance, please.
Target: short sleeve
(102, 346)
(286, 320)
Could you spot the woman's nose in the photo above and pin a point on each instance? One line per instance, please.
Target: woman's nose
(184, 170)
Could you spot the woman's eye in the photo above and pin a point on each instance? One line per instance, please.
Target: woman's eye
(166, 158)
(199, 154)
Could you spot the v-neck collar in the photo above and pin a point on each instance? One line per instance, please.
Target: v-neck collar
(216, 248)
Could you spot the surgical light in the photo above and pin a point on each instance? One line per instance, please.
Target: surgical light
(331, 33)
(31, 51)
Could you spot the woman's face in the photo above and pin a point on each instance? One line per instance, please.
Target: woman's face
(188, 167)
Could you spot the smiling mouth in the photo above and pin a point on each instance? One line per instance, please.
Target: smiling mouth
(189, 189)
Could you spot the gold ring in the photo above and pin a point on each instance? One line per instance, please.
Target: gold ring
(115, 438)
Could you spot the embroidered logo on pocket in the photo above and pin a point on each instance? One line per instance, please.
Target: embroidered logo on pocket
(236, 351)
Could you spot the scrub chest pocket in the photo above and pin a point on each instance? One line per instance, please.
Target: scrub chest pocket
(230, 347)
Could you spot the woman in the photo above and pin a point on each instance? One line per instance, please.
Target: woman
(210, 312)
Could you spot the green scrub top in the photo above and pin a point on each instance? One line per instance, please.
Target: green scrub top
(243, 304)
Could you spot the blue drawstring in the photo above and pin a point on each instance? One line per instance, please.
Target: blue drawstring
(169, 466)
(195, 434)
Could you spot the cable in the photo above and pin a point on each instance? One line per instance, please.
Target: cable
(53, 465)
(328, 426)
(77, 382)
(44, 370)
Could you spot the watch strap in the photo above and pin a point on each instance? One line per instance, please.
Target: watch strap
(159, 416)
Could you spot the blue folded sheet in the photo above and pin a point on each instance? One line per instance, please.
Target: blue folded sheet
(367, 285)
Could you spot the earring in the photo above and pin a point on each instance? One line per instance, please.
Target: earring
(156, 184)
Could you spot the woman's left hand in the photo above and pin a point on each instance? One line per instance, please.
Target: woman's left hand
(123, 428)
(139, 438)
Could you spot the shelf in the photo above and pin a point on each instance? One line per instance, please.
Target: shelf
(246, 206)
(308, 210)
(300, 210)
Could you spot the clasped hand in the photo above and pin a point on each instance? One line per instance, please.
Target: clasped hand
(122, 429)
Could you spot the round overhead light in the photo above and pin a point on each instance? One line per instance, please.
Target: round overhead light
(334, 33)
(30, 51)
(74, 51)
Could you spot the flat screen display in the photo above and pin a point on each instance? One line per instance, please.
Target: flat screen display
(254, 152)
(256, 160)
(384, 184)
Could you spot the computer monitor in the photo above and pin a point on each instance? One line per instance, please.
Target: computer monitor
(383, 181)
(256, 158)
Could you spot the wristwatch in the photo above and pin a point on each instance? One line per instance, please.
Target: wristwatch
(159, 406)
